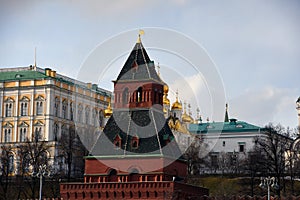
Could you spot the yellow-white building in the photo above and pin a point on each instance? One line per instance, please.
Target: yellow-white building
(36, 101)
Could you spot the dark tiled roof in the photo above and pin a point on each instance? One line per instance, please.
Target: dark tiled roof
(138, 66)
(149, 126)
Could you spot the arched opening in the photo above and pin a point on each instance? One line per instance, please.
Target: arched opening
(123, 194)
(147, 194)
(131, 194)
(99, 195)
(68, 195)
(76, 195)
(91, 195)
(140, 194)
(125, 96)
(155, 194)
(112, 175)
(115, 195)
(139, 94)
(106, 195)
(134, 174)
(83, 195)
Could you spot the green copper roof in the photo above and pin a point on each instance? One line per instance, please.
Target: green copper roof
(21, 75)
(232, 126)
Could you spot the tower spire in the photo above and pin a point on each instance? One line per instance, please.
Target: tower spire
(141, 32)
(226, 113)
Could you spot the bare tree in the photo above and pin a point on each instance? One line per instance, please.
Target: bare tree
(33, 154)
(274, 145)
(196, 156)
(7, 168)
(71, 152)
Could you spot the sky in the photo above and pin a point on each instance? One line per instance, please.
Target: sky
(254, 47)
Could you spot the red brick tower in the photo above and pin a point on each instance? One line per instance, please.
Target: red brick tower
(136, 155)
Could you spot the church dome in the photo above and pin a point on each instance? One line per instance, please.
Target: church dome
(166, 88)
(108, 111)
(176, 105)
(187, 118)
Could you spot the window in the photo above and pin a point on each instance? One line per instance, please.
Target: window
(139, 93)
(64, 109)
(80, 108)
(8, 103)
(125, 96)
(241, 148)
(38, 131)
(135, 142)
(39, 105)
(118, 141)
(87, 115)
(11, 166)
(55, 132)
(24, 106)
(7, 134)
(94, 117)
(23, 134)
(71, 111)
(24, 109)
(101, 118)
(56, 107)
(223, 143)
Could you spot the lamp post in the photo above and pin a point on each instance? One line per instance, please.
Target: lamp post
(42, 172)
(268, 182)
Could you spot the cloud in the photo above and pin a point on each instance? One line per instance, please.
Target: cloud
(264, 105)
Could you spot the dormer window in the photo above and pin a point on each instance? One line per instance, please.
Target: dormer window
(135, 142)
(118, 141)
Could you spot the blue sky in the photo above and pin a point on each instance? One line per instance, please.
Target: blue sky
(254, 44)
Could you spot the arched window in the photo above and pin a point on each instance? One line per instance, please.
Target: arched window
(56, 107)
(80, 110)
(87, 115)
(155, 96)
(118, 141)
(125, 96)
(139, 94)
(65, 109)
(7, 135)
(101, 117)
(71, 111)
(11, 166)
(135, 142)
(9, 107)
(38, 133)
(94, 117)
(23, 134)
(55, 132)
(39, 105)
(99, 195)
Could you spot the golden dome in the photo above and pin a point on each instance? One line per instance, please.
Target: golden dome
(108, 111)
(166, 101)
(187, 118)
(166, 89)
(176, 105)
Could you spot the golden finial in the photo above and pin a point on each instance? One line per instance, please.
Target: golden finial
(190, 111)
(141, 32)
(158, 69)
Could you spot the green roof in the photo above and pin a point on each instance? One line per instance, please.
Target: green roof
(232, 126)
(21, 75)
(27, 74)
